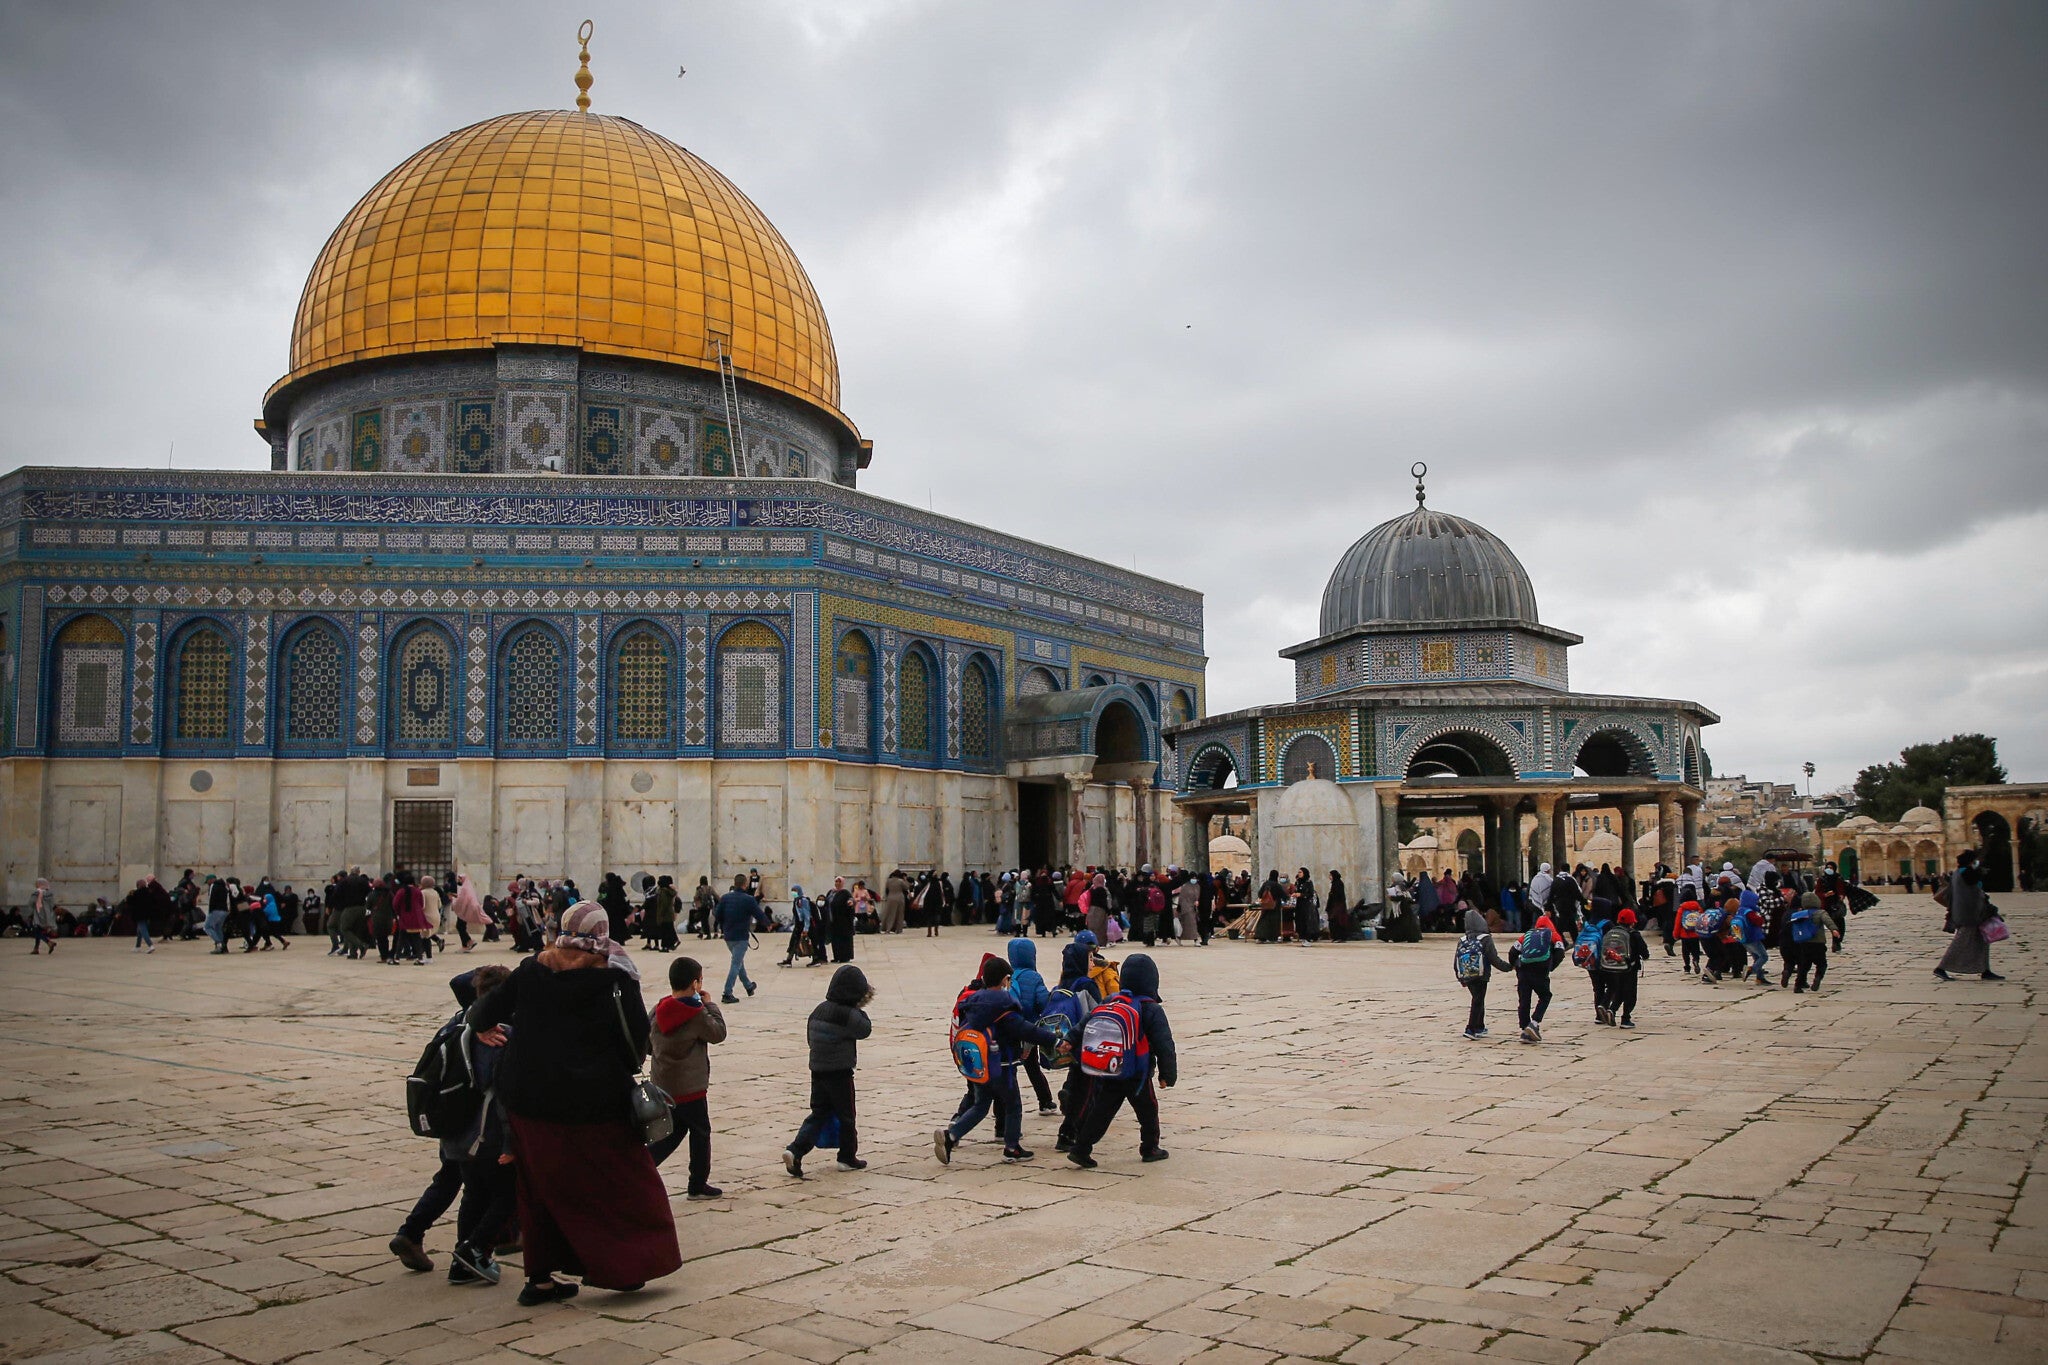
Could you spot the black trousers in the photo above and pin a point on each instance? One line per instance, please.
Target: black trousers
(462, 932)
(1037, 1075)
(1602, 986)
(1528, 986)
(1476, 1020)
(1073, 1102)
(1812, 955)
(1690, 947)
(1105, 1099)
(692, 1121)
(434, 1201)
(831, 1095)
(1621, 991)
(796, 942)
(490, 1202)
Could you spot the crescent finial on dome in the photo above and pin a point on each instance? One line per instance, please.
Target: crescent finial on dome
(583, 77)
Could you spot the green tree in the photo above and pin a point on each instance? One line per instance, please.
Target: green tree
(1924, 773)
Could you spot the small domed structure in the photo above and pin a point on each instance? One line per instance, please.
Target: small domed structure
(1921, 817)
(1428, 567)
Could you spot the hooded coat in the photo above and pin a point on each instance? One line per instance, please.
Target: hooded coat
(837, 1025)
(1475, 927)
(1141, 982)
(1025, 982)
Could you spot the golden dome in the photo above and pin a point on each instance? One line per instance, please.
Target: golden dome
(563, 228)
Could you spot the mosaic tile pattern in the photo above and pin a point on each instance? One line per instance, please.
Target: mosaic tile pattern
(750, 687)
(27, 711)
(418, 445)
(696, 683)
(426, 689)
(315, 686)
(256, 627)
(914, 734)
(473, 441)
(604, 440)
(89, 695)
(714, 460)
(642, 669)
(366, 441)
(536, 431)
(531, 716)
(1333, 726)
(853, 669)
(891, 674)
(1308, 754)
(586, 679)
(1401, 738)
(201, 701)
(369, 635)
(476, 697)
(977, 734)
(803, 696)
(1037, 682)
(142, 692)
(661, 444)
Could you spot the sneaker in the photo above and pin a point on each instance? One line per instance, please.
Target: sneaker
(1990, 976)
(1156, 1154)
(1472, 1033)
(477, 1267)
(546, 1291)
(410, 1254)
(1537, 1029)
(1942, 975)
(942, 1146)
(852, 1163)
(1063, 1145)
(1528, 1035)
(1017, 1154)
(1600, 1015)
(728, 1000)
(1628, 1023)
(1081, 1159)
(792, 1163)
(707, 1192)
(1048, 1109)
(751, 988)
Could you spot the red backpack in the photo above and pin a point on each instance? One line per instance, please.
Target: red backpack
(1113, 1042)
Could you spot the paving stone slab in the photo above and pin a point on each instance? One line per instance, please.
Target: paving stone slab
(1792, 1292)
(1453, 1247)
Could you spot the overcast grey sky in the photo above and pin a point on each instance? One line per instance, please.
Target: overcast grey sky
(1731, 318)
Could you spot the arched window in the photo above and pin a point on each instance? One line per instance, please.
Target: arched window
(531, 688)
(1096, 680)
(1151, 700)
(1037, 682)
(853, 688)
(914, 698)
(977, 719)
(423, 690)
(750, 687)
(202, 706)
(642, 670)
(1309, 756)
(90, 654)
(1183, 709)
(312, 686)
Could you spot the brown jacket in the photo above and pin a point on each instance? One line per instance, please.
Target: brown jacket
(682, 1035)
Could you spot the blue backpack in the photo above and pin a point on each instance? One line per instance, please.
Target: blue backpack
(1537, 945)
(1064, 1011)
(1586, 947)
(1805, 925)
(1470, 963)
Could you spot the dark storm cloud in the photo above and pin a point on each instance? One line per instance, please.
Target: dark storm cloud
(1730, 318)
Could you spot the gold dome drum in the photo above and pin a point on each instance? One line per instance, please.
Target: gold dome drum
(562, 228)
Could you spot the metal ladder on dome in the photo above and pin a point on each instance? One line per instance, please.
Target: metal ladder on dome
(728, 384)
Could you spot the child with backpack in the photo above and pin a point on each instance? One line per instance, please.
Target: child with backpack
(1474, 965)
(987, 1030)
(1749, 909)
(833, 1032)
(1623, 952)
(1687, 927)
(1029, 988)
(1539, 950)
(1808, 927)
(684, 1026)
(450, 1097)
(1586, 953)
(1125, 1043)
(1071, 1002)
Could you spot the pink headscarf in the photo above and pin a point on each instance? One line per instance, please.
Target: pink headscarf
(585, 925)
(467, 907)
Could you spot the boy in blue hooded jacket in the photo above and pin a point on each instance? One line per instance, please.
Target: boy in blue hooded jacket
(1140, 981)
(1029, 988)
(994, 1010)
(1076, 959)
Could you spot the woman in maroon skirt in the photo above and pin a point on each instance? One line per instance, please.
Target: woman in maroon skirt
(590, 1200)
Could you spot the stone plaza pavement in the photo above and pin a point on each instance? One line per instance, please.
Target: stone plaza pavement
(203, 1160)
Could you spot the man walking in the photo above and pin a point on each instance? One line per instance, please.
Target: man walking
(738, 914)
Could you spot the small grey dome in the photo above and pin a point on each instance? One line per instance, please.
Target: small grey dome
(1427, 568)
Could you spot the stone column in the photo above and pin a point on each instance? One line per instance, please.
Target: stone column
(1539, 837)
(1194, 834)
(1141, 798)
(1627, 810)
(1667, 830)
(1692, 828)
(1560, 842)
(1077, 832)
(1390, 835)
(1512, 868)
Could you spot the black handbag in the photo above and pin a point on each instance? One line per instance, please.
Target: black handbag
(651, 1104)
